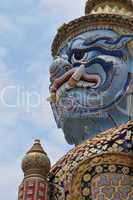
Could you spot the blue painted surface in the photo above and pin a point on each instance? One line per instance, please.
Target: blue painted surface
(82, 112)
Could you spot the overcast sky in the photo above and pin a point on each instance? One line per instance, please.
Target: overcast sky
(27, 29)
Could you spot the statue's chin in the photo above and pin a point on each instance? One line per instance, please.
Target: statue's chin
(78, 126)
(83, 107)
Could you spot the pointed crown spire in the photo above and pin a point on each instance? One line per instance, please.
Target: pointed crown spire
(121, 7)
(36, 161)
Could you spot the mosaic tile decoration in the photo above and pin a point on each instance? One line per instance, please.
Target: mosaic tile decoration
(105, 183)
(114, 141)
(55, 192)
(112, 187)
(34, 188)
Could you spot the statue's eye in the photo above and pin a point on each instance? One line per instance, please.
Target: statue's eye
(79, 56)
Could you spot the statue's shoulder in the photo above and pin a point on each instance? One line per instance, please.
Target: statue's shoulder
(96, 167)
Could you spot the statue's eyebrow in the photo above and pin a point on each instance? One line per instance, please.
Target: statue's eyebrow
(88, 42)
(76, 50)
(82, 40)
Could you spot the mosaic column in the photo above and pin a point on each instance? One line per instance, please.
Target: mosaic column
(35, 166)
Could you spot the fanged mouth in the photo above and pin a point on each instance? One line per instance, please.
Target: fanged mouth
(76, 77)
(81, 84)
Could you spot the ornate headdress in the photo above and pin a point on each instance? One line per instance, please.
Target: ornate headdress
(99, 14)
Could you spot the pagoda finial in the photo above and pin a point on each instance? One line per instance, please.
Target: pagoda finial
(36, 147)
(121, 7)
(36, 161)
(36, 166)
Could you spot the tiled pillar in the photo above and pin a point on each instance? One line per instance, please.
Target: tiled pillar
(33, 189)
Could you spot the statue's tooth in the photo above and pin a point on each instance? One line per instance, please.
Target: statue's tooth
(84, 84)
(87, 84)
(80, 83)
(90, 84)
(79, 72)
(76, 76)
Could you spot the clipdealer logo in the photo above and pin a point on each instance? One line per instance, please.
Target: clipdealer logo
(22, 98)
(124, 105)
(32, 99)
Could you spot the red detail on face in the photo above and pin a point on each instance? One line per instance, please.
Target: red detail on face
(91, 78)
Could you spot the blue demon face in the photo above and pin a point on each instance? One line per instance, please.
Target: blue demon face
(89, 81)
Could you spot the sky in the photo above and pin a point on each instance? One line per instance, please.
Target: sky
(27, 29)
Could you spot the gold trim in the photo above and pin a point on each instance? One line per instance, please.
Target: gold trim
(91, 4)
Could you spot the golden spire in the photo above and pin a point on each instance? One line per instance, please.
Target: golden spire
(36, 161)
(36, 147)
(120, 7)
